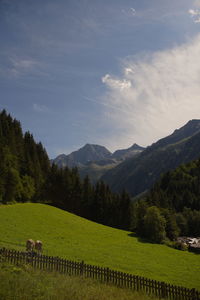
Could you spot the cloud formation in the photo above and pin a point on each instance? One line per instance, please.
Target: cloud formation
(116, 83)
(195, 14)
(39, 108)
(21, 66)
(130, 12)
(18, 67)
(133, 11)
(154, 95)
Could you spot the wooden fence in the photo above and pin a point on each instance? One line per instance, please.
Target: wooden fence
(106, 275)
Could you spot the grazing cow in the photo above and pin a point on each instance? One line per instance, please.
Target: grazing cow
(30, 245)
(38, 246)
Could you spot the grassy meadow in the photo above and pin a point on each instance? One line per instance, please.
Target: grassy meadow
(66, 235)
(24, 283)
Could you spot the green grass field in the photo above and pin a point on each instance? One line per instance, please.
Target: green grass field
(66, 235)
(25, 283)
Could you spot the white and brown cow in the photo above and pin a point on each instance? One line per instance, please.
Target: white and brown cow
(38, 246)
(30, 245)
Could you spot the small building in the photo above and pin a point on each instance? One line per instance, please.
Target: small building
(192, 243)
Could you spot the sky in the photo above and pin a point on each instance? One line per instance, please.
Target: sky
(109, 72)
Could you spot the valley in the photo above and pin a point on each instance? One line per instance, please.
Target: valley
(100, 150)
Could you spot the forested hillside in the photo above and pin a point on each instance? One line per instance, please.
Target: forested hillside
(179, 188)
(172, 207)
(24, 163)
(139, 173)
(26, 175)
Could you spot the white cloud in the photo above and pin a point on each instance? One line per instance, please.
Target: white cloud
(128, 71)
(116, 83)
(195, 14)
(19, 67)
(23, 63)
(155, 95)
(133, 11)
(40, 108)
(130, 12)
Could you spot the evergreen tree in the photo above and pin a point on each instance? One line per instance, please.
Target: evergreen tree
(154, 224)
(24, 164)
(87, 198)
(141, 210)
(172, 229)
(124, 210)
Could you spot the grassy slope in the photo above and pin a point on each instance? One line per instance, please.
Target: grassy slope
(64, 234)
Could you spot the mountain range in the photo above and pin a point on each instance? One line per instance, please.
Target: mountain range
(139, 173)
(95, 160)
(82, 156)
(136, 169)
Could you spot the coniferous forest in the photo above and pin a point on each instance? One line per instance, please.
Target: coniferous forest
(27, 175)
(171, 208)
(172, 205)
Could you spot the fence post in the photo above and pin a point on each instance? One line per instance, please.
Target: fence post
(82, 267)
(2, 253)
(160, 289)
(193, 294)
(107, 275)
(163, 290)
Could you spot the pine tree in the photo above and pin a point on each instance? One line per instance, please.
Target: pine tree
(154, 224)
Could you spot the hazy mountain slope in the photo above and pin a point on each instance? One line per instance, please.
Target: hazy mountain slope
(96, 169)
(126, 153)
(139, 173)
(95, 160)
(80, 157)
(189, 129)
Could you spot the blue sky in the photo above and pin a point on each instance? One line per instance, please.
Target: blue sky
(112, 72)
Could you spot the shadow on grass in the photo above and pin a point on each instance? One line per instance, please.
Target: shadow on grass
(167, 244)
(140, 239)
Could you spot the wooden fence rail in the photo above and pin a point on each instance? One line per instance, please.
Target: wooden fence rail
(106, 275)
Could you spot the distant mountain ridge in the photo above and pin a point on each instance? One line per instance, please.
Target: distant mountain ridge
(87, 153)
(139, 173)
(95, 160)
(136, 168)
(189, 129)
(129, 152)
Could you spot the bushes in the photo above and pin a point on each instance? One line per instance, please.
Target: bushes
(180, 246)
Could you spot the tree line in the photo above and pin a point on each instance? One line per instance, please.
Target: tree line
(24, 164)
(172, 207)
(26, 174)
